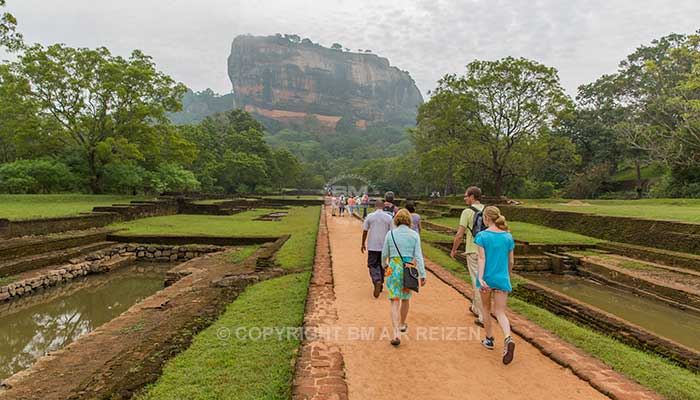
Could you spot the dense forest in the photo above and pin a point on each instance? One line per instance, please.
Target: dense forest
(78, 119)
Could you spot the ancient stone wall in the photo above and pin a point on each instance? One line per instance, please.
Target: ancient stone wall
(102, 216)
(676, 236)
(100, 262)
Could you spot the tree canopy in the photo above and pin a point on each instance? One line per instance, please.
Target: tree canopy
(494, 117)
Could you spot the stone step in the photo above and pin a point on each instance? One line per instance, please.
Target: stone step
(660, 256)
(28, 263)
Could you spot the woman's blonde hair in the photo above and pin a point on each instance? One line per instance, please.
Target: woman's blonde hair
(403, 217)
(495, 215)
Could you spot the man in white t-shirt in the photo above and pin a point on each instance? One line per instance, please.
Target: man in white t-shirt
(375, 227)
(472, 197)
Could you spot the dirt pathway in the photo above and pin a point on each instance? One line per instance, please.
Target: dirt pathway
(440, 358)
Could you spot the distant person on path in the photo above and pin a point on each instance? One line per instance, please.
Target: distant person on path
(471, 223)
(341, 205)
(402, 240)
(351, 205)
(415, 218)
(375, 227)
(389, 206)
(495, 246)
(365, 205)
(334, 205)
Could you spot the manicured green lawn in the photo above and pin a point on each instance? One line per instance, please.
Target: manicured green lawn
(238, 367)
(532, 233)
(683, 210)
(432, 236)
(242, 253)
(440, 257)
(301, 223)
(28, 206)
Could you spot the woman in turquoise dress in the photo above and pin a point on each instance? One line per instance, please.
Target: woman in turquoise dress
(405, 241)
(495, 251)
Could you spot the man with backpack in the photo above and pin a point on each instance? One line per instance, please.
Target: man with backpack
(471, 222)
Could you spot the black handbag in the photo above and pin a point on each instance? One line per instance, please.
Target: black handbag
(410, 272)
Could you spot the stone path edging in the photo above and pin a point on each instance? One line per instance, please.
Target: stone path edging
(596, 373)
(320, 370)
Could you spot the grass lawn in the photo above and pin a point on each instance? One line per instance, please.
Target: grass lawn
(233, 368)
(683, 210)
(532, 233)
(28, 206)
(301, 223)
(440, 257)
(432, 236)
(242, 253)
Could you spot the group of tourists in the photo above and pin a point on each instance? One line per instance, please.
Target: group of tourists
(340, 204)
(391, 237)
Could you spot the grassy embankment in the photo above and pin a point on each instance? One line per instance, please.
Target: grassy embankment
(652, 371)
(301, 223)
(531, 233)
(29, 206)
(238, 367)
(682, 210)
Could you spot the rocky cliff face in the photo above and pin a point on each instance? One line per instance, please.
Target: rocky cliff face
(297, 83)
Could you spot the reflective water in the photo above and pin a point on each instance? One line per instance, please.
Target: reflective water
(662, 319)
(33, 326)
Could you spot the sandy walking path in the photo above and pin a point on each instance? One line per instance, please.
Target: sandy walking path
(440, 358)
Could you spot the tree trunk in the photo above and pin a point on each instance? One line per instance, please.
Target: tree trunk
(449, 185)
(638, 183)
(94, 179)
(498, 184)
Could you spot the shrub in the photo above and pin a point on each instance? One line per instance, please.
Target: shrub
(588, 184)
(123, 178)
(529, 189)
(36, 176)
(174, 178)
(672, 186)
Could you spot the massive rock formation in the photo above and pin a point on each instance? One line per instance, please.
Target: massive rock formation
(296, 82)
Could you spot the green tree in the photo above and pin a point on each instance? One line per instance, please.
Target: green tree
(19, 121)
(104, 105)
(495, 113)
(442, 128)
(591, 126)
(9, 37)
(286, 169)
(337, 46)
(232, 153)
(241, 171)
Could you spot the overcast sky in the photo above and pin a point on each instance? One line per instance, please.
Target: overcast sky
(190, 40)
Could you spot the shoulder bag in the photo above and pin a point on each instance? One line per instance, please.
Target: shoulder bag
(410, 272)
